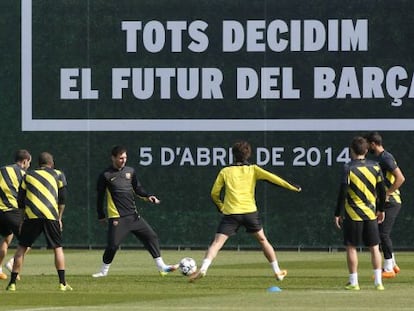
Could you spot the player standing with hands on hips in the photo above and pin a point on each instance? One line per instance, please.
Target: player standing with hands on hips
(120, 185)
(239, 206)
(393, 178)
(361, 199)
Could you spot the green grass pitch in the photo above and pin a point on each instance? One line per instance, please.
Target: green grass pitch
(237, 280)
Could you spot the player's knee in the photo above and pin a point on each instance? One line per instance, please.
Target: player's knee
(112, 249)
(263, 241)
(384, 236)
(153, 237)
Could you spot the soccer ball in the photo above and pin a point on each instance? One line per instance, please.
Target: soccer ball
(187, 266)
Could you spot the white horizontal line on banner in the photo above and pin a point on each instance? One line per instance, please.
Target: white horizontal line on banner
(171, 125)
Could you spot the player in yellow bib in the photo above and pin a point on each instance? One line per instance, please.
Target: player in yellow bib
(10, 214)
(239, 206)
(358, 212)
(42, 196)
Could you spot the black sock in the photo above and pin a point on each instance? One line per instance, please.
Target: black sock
(13, 277)
(61, 274)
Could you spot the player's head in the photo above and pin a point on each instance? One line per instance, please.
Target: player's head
(374, 137)
(119, 156)
(375, 142)
(46, 160)
(241, 151)
(23, 158)
(359, 146)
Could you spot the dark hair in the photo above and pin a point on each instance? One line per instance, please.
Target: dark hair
(21, 155)
(241, 151)
(118, 150)
(359, 145)
(45, 158)
(374, 137)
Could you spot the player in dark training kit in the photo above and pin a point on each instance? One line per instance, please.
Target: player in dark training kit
(393, 178)
(362, 186)
(120, 185)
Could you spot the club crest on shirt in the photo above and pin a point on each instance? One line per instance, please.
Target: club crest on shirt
(128, 175)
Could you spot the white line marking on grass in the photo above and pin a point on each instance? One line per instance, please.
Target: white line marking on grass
(331, 292)
(112, 307)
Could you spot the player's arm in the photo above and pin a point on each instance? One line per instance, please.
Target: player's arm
(141, 192)
(390, 165)
(215, 192)
(381, 200)
(62, 193)
(340, 205)
(342, 193)
(61, 208)
(21, 196)
(100, 196)
(399, 180)
(381, 196)
(275, 179)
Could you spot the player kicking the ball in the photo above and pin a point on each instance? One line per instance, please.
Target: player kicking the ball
(120, 184)
(239, 207)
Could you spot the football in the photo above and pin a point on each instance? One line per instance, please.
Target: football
(187, 266)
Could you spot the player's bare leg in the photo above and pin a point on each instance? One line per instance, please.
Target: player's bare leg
(352, 261)
(4, 246)
(60, 268)
(270, 254)
(17, 266)
(219, 241)
(376, 265)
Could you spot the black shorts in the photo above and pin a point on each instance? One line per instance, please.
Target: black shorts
(32, 228)
(230, 224)
(119, 228)
(10, 222)
(357, 233)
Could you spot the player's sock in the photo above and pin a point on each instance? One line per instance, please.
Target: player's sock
(353, 279)
(103, 272)
(377, 276)
(388, 264)
(394, 261)
(61, 274)
(9, 264)
(205, 265)
(13, 277)
(275, 266)
(160, 263)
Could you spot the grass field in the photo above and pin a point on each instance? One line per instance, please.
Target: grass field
(237, 280)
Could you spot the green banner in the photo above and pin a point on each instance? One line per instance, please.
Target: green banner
(178, 82)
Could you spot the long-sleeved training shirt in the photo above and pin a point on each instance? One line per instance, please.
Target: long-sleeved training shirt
(240, 183)
(120, 186)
